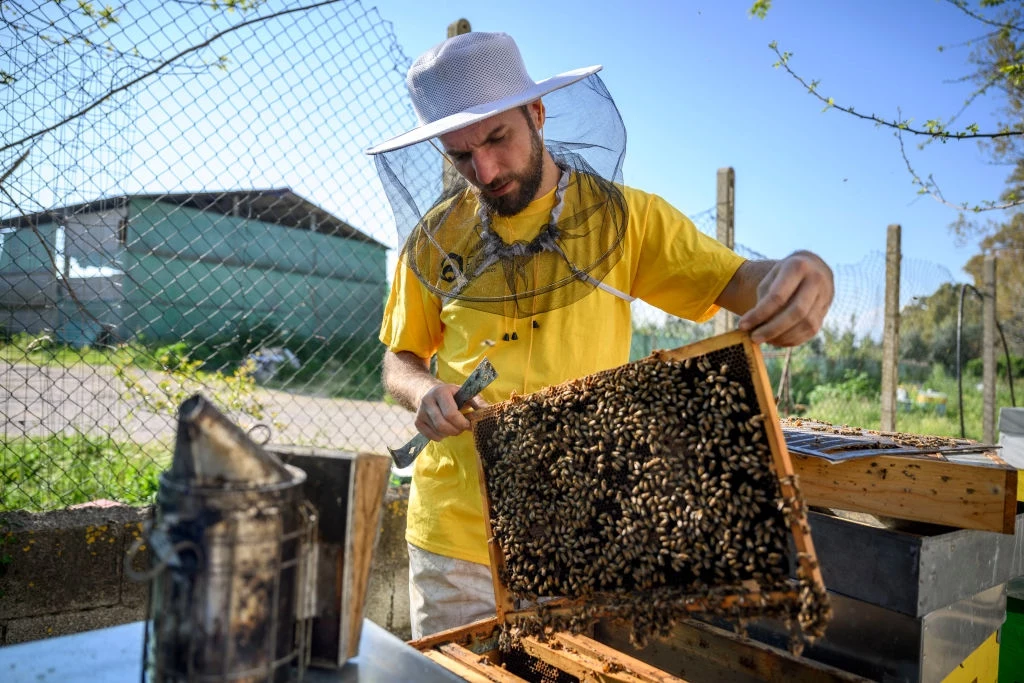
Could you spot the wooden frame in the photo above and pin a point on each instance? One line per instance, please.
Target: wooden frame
(606, 655)
(807, 564)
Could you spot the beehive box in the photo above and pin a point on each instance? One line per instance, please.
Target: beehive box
(694, 652)
(650, 492)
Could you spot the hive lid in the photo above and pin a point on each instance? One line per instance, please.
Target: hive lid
(836, 444)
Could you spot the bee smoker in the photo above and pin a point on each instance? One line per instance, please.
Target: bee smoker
(232, 542)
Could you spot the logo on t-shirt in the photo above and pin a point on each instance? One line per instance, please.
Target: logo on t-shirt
(451, 268)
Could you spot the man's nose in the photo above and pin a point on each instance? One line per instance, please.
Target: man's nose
(484, 167)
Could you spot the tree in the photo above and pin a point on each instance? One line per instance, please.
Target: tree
(997, 66)
(38, 38)
(928, 328)
(1007, 243)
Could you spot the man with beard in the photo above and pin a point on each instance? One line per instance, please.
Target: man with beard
(531, 258)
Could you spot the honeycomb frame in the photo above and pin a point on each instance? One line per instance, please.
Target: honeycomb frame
(589, 443)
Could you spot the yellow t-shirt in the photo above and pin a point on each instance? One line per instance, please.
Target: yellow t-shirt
(665, 261)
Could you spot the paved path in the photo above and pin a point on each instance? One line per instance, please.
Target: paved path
(41, 400)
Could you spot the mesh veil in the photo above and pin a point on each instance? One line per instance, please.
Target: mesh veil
(447, 245)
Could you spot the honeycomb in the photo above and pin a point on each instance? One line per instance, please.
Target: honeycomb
(647, 492)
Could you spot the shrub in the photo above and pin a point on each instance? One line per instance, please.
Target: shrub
(854, 386)
(974, 368)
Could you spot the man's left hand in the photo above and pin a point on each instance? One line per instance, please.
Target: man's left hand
(792, 300)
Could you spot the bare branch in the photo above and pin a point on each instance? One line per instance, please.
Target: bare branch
(84, 37)
(18, 162)
(933, 131)
(990, 81)
(969, 42)
(110, 93)
(931, 188)
(962, 6)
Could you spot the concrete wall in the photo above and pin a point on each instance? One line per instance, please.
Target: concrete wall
(387, 598)
(63, 572)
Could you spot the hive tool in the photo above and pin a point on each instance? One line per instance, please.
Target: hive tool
(482, 376)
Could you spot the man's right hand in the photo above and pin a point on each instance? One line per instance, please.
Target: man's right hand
(407, 378)
(438, 416)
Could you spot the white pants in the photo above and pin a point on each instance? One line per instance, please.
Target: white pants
(445, 592)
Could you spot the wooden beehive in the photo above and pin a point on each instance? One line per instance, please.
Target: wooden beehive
(694, 652)
(347, 490)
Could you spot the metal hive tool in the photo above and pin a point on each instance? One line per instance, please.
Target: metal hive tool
(652, 491)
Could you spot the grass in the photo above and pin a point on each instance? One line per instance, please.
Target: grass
(334, 369)
(865, 411)
(42, 351)
(51, 472)
(352, 377)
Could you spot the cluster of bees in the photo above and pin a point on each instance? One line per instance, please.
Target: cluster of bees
(645, 492)
(920, 441)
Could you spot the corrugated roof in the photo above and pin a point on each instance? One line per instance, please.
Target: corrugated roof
(275, 205)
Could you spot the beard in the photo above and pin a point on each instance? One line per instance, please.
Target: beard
(528, 180)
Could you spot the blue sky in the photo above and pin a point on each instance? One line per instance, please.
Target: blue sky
(306, 94)
(695, 84)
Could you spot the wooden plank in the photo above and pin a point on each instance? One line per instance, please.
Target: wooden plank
(592, 648)
(914, 488)
(367, 496)
(503, 602)
(709, 653)
(697, 604)
(581, 666)
(482, 664)
(806, 558)
(478, 630)
(456, 667)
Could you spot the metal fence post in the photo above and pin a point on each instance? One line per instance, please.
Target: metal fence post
(891, 331)
(726, 214)
(988, 349)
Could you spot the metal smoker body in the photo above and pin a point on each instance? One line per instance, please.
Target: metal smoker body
(231, 539)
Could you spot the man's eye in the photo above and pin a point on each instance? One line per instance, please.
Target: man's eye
(459, 158)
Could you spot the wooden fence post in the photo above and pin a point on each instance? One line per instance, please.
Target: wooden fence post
(891, 331)
(988, 349)
(448, 173)
(458, 27)
(725, 210)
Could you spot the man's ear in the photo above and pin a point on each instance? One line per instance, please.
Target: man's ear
(537, 112)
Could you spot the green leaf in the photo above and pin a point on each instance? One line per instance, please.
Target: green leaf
(760, 8)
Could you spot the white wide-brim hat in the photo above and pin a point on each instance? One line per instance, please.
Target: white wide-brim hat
(467, 79)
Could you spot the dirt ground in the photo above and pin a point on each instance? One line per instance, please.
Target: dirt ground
(37, 401)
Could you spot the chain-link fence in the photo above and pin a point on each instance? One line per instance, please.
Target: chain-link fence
(836, 377)
(185, 206)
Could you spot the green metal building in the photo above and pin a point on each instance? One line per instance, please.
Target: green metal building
(191, 265)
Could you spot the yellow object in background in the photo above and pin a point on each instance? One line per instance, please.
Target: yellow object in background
(981, 666)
